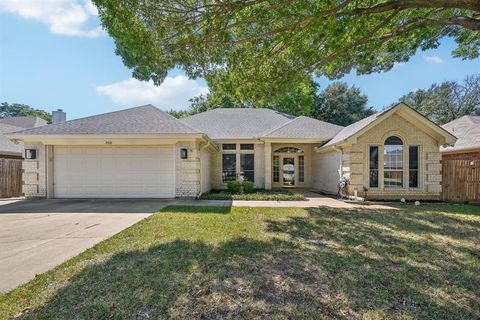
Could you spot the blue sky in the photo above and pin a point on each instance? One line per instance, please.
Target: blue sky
(55, 56)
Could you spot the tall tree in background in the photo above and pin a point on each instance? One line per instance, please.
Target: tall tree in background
(206, 102)
(340, 104)
(448, 100)
(257, 50)
(19, 110)
(298, 102)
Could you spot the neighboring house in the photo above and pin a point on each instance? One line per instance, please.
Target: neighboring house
(461, 162)
(9, 149)
(24, 122)
(467, 147)
(144, 152)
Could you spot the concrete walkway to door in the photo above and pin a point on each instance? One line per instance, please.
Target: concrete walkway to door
(313, 200)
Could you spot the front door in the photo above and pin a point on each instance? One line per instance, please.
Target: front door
(288, 169)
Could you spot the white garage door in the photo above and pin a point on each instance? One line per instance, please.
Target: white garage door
(114, 172)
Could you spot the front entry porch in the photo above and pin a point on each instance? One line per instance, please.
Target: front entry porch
(288, 165)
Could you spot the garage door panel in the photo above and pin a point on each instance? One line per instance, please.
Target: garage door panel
(114, 172)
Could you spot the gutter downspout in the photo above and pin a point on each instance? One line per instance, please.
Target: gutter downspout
(341, 160)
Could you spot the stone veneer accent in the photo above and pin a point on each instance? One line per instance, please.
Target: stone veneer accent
(34, 173)
(187, 171)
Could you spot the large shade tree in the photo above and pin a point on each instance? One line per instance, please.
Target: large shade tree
(341, 104)
(259, 49)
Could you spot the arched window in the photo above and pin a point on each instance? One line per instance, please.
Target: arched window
(289, 150)
(393, 163)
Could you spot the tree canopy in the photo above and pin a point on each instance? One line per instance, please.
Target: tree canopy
(19, 110)
(342, 105)
(256, 50)
(448, 100)
(338, 103)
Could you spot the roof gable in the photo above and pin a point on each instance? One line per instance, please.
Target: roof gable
(467, 130)
(139, 120)
(351, 132)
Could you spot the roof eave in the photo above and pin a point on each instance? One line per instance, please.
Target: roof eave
(461, 150)
(47, 137)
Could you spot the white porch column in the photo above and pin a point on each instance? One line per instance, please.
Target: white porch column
(268, 165)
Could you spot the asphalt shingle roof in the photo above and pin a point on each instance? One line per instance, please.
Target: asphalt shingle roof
(350, 130)
(237, 123)
(139, 120)
(305, 127)
(467, 130)
(24, 122)
(7, 146)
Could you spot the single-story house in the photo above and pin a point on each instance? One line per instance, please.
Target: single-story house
(467, 147)
(144, 152)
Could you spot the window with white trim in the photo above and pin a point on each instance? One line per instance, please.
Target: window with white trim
(393, 163)
(301, 169)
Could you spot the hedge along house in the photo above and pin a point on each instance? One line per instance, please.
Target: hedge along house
(145, 153)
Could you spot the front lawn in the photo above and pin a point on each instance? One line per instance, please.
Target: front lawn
(252, 263)
(259, 195)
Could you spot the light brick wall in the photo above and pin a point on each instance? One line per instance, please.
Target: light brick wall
(357, 167)
(206, 165)
(326, 171)
(187, 171)
(259, 166)
(34, 173)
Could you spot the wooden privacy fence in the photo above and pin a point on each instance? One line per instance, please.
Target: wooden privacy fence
(461, 180)
(10, 178)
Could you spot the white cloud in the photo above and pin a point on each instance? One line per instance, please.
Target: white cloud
(173, 93)
(65, 17)
(433, 59)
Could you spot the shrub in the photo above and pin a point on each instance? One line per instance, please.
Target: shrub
(248, 187)
(234, 186)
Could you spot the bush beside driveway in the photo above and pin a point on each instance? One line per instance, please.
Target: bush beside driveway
(224, 262)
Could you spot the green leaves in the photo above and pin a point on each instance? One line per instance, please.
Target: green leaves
(20, 110)
(448, 100)
(257, 51)
(342, 105)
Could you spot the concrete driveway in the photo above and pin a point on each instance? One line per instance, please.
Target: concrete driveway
(37, 235)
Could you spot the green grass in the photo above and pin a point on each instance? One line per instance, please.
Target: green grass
(259, 195)
(214, 263)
